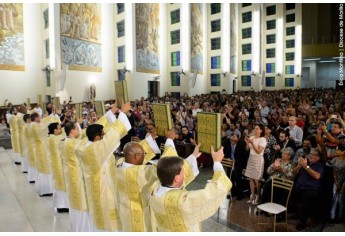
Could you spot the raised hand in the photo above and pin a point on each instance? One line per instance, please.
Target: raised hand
(217, 156)
(196, 151)
(125, 106)
(170, 134)
(114, 107)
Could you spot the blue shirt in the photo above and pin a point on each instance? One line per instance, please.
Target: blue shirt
(305, 181)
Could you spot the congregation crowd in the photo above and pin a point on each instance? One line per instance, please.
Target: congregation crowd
(294, 134)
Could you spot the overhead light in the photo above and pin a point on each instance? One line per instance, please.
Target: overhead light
(327, 61)
(312, 59)
(337, 57)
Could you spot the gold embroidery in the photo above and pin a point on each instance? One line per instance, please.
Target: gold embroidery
(188, 173)
(149, 152)
(171, 204)
(29, 144)
(136, 207)
(93, 183)
(76, 183)
(59, 182)
(40, 151)
(169, 151)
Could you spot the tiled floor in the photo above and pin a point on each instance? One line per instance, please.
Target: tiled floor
(22, 210)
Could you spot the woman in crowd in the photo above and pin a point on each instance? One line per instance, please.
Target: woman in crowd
(255, 166)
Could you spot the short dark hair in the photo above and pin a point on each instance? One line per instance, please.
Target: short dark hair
(33, 116)
(262, 127)
(68, 127)
(185, 126)
(168, 168)
(52, 127)
(93, 130)
(26, 116)
(287, 133)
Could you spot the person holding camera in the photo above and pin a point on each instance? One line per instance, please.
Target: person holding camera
(329, 142)
(308, 185)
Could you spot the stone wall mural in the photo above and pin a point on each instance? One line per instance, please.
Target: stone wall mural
(11, 37)
(80, 27)
(147, 37)
(196, 38)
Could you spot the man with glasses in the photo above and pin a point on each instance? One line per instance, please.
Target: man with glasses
(308, 185)
(134, 181)
(98, 164)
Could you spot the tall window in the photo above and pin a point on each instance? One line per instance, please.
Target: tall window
(290, 6)
(215, 43)
(175, 79)
(270, 81)
(289, 56)
(120, 75)
(215, 26)
(175, 58)
(271, 67)
(48, 78)
(176, 95)
(290, 30)
(270, 38)
(175, 37)
(215, 8)
(246, 5)
(121, 54)
(246, 65)
(121, 29)
(270, 24)
(46, 18)
(290, 43)
(175, 16)
(215, 79)
(290, 18)
(120, 7)
(289, 70)
(289, 82)
(247, 48)
(215, 62)
(47, 48)
(246, 33)
(246, 17)
(270, 53)
(246, 81)
(271, 10)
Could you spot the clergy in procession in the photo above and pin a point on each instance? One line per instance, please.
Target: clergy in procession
(13, 122)
(98, 164)
(60, 202)
(135, 181)
(178, 210)
(29, 149)
(78, 209)
(24, 161)
(39, 131)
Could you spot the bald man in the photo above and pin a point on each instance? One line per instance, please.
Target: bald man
(135, 182)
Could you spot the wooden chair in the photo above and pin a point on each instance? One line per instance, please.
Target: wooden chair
(274, 208)
(228, 164)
